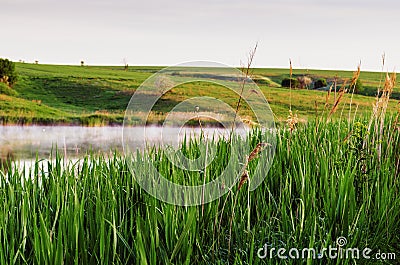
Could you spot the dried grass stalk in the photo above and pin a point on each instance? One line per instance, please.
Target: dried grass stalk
(243, 179)
(342, 91)
(257, 150)
(355, 77)
(292, 121)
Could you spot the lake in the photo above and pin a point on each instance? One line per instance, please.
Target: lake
(27, 142)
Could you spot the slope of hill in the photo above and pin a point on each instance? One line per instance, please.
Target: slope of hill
(98, 95)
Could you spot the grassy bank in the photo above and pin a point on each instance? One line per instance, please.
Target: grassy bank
(92, 95)
(327, 180)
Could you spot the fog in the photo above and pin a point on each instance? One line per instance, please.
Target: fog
(29, 142)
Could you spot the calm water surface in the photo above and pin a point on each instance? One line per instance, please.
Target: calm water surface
(27, 142)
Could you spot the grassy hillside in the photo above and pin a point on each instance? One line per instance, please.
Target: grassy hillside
(93, 95)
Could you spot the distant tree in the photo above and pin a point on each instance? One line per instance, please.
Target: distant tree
(36, 62)
(82, 63)
(125, 64)
(321, 82)
(290, 82)
(7, 72)
(358, 86)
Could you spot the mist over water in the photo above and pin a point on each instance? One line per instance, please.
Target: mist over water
(27, 142)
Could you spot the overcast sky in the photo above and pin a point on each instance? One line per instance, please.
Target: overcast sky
(314, 34)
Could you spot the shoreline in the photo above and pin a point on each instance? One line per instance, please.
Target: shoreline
(160, 123)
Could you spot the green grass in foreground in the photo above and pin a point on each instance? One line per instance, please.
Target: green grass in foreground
(327, 180)
(98, 95)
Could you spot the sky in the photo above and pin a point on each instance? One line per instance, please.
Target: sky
(313, 34)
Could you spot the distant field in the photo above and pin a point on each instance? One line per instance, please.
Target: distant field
(98, 95)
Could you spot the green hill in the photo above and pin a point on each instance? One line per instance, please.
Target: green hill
(98, 95)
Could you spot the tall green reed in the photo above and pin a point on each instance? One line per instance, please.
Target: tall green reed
(93, 211)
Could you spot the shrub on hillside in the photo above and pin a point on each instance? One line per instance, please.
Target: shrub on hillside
(321, 82)
(304, 81)
(8, 75)
(290, 82)
(4, 89)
